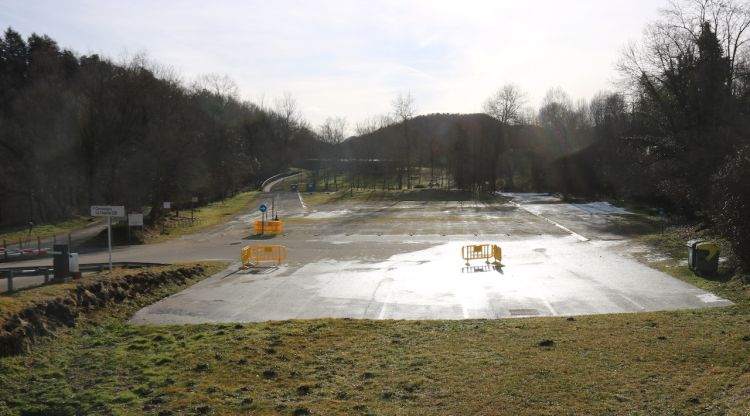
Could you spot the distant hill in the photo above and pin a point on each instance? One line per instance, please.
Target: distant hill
(476, 149)
(442, 130)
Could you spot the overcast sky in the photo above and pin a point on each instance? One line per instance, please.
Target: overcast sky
(350, 58)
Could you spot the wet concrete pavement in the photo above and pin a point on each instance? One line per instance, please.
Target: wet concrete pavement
(401, 260)
(546, 276)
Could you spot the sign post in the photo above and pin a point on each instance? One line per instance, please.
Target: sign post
(263, 208)
(108, 211)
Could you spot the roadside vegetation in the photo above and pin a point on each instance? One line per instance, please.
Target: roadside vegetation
(173, 226)
(13, 234)
(13, 303)
(668, 253)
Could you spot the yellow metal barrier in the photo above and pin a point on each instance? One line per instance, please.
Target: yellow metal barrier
(254, 255)
(267, 227)
(482, 252)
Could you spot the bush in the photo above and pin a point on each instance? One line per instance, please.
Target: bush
(732, 198)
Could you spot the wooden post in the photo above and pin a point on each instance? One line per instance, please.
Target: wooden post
(46, 275)
(10, 281)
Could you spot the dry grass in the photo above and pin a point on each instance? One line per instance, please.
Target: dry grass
(691, 362)
(211, 215)
(14, 302)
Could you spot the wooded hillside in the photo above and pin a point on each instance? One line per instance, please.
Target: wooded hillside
(82, 130)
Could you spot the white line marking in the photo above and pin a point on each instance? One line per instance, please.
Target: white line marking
(567, 230)
(464, 311)
(381, 315)
(301, 201)
(549, 306)
(638, 305)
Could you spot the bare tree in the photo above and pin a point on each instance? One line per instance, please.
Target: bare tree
(730, 20)
(404, 110)
(506, 104)
(217, 84)
(366, 126)
(556, 109)
(286, 107)
(288, 111)
(333, 132)
(677, 33)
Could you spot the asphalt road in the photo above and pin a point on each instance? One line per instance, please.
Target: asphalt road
(401, 260)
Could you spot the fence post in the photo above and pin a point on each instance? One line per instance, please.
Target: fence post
(10, 281)
(46, 275)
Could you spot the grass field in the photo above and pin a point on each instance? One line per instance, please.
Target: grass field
(694, 362)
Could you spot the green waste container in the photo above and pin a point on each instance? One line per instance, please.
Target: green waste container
(703, 257)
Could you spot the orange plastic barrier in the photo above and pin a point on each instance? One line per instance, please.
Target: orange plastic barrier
(254, 255)
(267, 227)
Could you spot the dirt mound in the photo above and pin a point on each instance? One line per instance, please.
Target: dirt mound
(18, 332)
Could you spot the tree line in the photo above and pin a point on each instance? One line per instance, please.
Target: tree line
(82, 130)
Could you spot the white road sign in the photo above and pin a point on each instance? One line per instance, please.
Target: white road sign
(107, 211)
(167, 205)
(135, 220)
(195, 199)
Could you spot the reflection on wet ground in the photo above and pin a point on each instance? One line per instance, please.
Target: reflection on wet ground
(402, 260)
(567, 277)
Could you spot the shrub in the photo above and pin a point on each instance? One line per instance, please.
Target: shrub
(732, 198)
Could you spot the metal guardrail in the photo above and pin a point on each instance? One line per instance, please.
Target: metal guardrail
(10, 273)
(279, 176)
